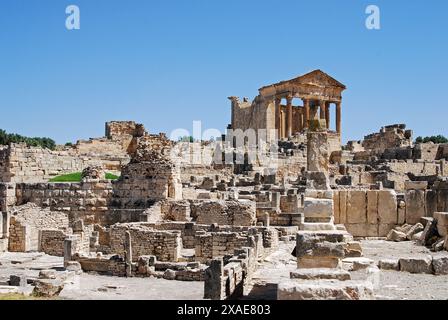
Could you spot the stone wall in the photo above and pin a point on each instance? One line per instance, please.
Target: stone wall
(393, 136)
(86, 200)
(7, 196)
(51, 241)
(165, 245)
(233, 213)
(26, 222)
(367, 213)
(20, 163)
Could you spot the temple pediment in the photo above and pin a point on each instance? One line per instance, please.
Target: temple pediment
(316, 78)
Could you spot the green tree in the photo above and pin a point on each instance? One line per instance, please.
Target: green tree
(7, 138)
(435, 139)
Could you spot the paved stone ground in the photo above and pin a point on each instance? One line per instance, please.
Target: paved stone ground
(96, 287)
(396, 285)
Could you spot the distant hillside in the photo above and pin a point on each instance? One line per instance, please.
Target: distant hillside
(7, 138)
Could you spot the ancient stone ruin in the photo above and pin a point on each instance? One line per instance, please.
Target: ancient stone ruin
(326, 221)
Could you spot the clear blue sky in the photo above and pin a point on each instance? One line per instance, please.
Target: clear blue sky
(167, 63)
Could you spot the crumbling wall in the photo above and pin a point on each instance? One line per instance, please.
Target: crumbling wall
(218, 244)
(26, 222)
(165, 245)
(86, 200)
(20, 163)
(232, 212)
(393, 136)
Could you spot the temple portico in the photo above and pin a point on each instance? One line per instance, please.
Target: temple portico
(288, 107)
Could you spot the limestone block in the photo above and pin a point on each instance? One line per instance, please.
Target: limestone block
(414, 230)
(396, 236)
(440, 265)
(442, 223)
(353, 249)
(325, 290)
(372, 206)
(343, 207)
(358, 263)
(415, 185)
(389, 264)
(387, 207)
(356, 207)
(416, 265)
(318, 208)
(415, 205)
(313, 274)
(336, 211)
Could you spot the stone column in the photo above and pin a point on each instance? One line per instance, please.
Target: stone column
(213, 286)
(338, 117)
(327, 114)
(278, 117)
(68, 246)
(323, 113)
(306, 115)
(288, 116)
(128, 251)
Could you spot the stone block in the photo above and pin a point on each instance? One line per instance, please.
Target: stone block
(314, 274)
(396, 236)
(372, 206)
(416, 265)
(387, 207)
(440, 265)
(415, 205)
(356, 207)
(358, 263)
(389, 264)
(318, 208)
(325, 290)
(343, 207)
(415, 185)
(414, 230)
(442, 223)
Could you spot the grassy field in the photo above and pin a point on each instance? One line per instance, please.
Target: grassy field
(18, 296)
(76, 177)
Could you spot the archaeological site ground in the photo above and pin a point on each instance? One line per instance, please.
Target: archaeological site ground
(277, 208)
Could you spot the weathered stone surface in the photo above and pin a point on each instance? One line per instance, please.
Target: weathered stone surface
(356, 207)
(414, 230)
(387, 207)
(389, 264)
(442, 223)
(169, 275)
(353, 249)
(416, 265)
(324, 290)
(318, 155)
(416, 185)
(359, 263)
(430, 234)
(48, 287)
(440, 265)
(314, 274)
(396, 236)
(318, 208)
(415, 205)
